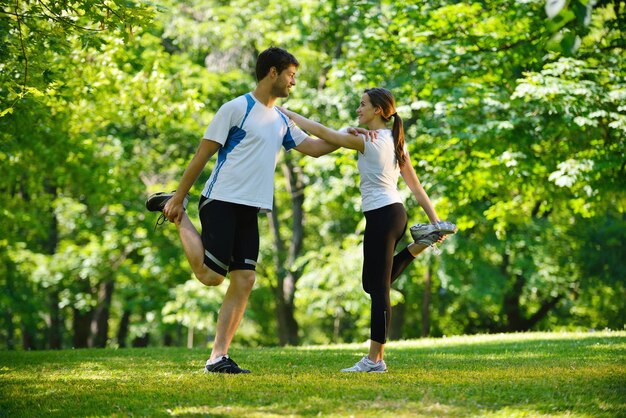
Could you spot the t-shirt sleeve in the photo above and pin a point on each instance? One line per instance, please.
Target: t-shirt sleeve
(224, 119)
(367, 145)
(294, 136)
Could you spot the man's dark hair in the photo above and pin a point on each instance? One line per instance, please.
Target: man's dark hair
(273, 57)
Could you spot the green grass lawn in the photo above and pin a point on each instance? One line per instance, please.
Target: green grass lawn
(514, 375)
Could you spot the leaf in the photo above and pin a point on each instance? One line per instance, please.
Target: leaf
(565, 42)
(560, 21)
(554, 7)
(570, 43)
(34, 91)
(5, 111)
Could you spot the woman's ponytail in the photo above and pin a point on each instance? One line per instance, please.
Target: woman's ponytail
(398, 139)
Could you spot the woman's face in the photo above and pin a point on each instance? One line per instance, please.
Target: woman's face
(366, 111)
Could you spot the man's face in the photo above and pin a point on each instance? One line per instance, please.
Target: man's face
(284, 82)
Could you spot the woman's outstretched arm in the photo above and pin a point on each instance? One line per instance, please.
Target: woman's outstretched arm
(329, 135)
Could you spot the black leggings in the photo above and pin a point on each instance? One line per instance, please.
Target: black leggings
(384, 228)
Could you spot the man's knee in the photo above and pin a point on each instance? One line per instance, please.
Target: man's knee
(209, 278)
(243, 279)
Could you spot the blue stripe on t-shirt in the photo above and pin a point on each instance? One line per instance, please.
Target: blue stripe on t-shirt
(288, 141)
(248, 108)
(235, 136)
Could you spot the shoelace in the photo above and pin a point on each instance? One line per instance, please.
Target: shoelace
(160, 221)
(436, 249)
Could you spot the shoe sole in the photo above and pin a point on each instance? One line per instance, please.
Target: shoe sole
(363, 371)
(422, 234)
(156, 202)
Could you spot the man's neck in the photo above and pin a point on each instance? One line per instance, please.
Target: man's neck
(264, 96)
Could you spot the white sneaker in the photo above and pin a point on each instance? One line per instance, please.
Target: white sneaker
(420, 231)
(429, 240)
(368, 366)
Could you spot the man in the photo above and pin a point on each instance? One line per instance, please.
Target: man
(247, 133)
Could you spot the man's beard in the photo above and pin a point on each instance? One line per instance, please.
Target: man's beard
(280, 91)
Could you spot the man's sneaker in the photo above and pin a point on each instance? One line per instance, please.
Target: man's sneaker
(367, 366)
(156, 202)
(420, 231)
(224, 365)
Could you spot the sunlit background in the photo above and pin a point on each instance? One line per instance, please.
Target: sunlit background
(515, 113)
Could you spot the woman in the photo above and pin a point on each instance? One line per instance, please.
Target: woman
(380, 161)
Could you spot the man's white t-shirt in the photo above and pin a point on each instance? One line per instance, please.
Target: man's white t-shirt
(251, 135)
(379, 172)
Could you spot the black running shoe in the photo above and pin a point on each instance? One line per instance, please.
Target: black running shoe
(156, 202)
(225, 365)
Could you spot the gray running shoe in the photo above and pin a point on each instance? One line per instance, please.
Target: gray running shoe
(420, 231)
(430, 240)
(365, 365)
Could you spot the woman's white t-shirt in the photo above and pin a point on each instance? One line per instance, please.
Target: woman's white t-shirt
(379, 171)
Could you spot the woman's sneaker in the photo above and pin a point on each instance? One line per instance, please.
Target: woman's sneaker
(365, 365)
(420, 231)
(156, 202)
(430, 240)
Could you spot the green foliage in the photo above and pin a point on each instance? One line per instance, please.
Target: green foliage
(514, 115)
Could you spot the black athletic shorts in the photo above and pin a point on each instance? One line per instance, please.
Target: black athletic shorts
(230, 235)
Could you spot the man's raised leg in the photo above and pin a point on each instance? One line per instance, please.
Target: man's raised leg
(194, 250)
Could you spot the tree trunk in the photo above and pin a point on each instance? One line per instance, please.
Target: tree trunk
(54, 321)
(511, 301)
(122, 332)
(100, 322)
(426, 299)
(10, 294)
(287, 324)
(543, 311)
(284, 290)
(142, 341)
(54, 325)
(512, 307)
(287, 277)
(190, 330)
(28, 337)
(81, 324)
(516, 320)
(81, 319)
(10, 330)
(168, 338)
